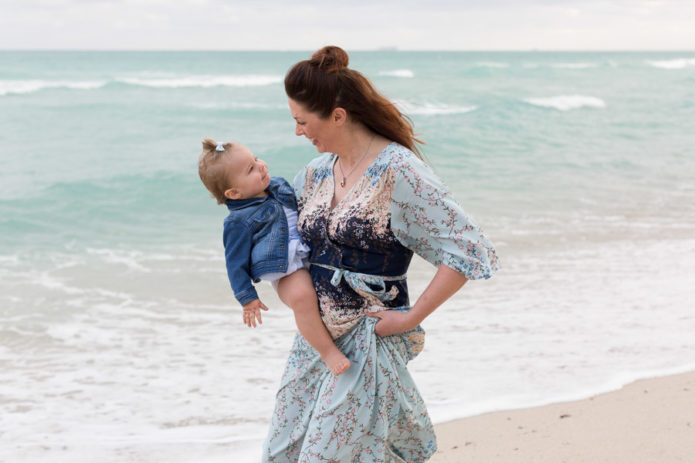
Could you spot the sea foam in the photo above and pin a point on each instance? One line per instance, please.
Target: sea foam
(680, 63)
(8, 87)
(567, 102)
(491, 64)
(251, 80)
(130, 259)
(431, 109)
(234, 105)
(575, 65)
(406, 73)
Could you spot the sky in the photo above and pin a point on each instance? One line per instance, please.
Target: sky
(353, 24)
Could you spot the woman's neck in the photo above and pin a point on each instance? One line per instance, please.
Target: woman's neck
(355, 146)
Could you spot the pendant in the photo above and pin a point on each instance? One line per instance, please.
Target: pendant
(342, 182)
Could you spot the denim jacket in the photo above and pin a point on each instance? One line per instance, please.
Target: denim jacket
(255, 237)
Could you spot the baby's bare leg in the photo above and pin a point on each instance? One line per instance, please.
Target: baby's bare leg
(297, 291)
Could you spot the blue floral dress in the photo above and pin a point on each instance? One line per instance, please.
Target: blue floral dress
(360, 252)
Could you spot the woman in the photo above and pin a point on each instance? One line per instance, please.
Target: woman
(364, 207)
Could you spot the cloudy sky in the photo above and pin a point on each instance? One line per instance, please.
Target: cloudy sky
(354, 24)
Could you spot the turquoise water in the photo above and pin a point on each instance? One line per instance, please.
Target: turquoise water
(116, 312)
(80, 129)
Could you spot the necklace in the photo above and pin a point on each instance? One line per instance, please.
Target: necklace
(340, 165)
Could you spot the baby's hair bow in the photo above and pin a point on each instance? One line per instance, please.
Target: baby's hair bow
(220, 147)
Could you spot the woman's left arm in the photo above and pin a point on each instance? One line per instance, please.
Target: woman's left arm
(427, 219)
(444, 285)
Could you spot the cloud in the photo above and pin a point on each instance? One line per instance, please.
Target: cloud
(359, 24)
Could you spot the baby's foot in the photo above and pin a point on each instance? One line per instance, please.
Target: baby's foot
(336, 362)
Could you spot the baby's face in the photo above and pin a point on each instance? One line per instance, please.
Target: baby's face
(248, 174)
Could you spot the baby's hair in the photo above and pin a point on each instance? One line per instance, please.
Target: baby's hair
(212, 169)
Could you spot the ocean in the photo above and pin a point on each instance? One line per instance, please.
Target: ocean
(120, 340)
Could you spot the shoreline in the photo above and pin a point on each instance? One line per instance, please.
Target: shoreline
(648, 420)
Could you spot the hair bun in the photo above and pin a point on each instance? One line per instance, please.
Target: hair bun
(330, 59)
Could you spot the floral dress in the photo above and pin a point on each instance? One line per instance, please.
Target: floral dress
(360, 252)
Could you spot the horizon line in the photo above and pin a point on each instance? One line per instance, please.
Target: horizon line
(378, 49)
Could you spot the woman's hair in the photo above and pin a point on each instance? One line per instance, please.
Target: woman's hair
(213, 170)
(324, 83)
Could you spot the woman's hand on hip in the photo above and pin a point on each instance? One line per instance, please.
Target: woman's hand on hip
(444, 284)
(391, 322)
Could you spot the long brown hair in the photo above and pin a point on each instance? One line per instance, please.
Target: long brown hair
(324, 83)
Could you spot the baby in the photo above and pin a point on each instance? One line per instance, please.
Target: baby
(261, 241)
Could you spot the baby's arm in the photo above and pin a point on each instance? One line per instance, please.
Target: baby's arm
(252, 312)
(237, 249)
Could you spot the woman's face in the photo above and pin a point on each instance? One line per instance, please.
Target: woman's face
(321, 132)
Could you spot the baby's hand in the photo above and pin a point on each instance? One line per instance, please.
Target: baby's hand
(252, 312)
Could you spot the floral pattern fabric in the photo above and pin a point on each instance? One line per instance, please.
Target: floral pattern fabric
(372, 413)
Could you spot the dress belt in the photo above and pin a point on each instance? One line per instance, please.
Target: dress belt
(364, 283)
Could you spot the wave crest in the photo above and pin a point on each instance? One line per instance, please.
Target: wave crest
(431, 109)
(680, 63)
(575, 65)
(205, 81)
(18, 87)
(405, 73)
(567, 102)
(491, 64)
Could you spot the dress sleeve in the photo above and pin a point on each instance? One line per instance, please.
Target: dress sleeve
(298, 184)
(427, 219)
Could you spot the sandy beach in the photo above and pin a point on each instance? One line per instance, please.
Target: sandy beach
(649, 420)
